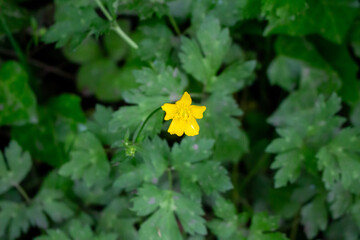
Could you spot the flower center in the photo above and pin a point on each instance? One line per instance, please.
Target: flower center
(183, 113)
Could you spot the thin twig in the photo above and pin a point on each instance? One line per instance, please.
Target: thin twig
(13, 42)
(41, 65)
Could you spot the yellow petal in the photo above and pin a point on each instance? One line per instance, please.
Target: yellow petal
(177, 127)
(170, 110)
(192, 127)
(185, 100)
(197, 111)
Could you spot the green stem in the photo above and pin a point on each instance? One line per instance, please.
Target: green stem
(137, 134)
(22, 193)
(174, 24)
(246, 206)
(103, 9)
(115, 26)
(13, 42)
(253, 172)
(122, 34)
(295, 226)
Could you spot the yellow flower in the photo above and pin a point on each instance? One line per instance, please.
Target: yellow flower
(183, 116)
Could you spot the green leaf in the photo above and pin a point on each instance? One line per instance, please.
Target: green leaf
(16, 218)
(314, 216)
(73, 24)
(155, 41)
(67, 107)
(148, 200)
(36, 216)
(89, 50)
(289, 167)
(317, 121)
(16, 17)
(308, 17)
(53, 203)
(13, 219)
(77, 231)
(130, 117)
(16, 167)
(342, 62)
(51, 139)
(88, 160)
(151, 165)
(261, 224)
(157, 86)
(104, 79)
(355, 37)
(117, 217)
(340, 201)
(210, 175)
(285, 72)
(315, 72)
(339, 160)
(229, 224)
(220, 123)
(131, 176)
(218, 181)
(304, 131)
(99, 124)
(53, 235)
(147, 9)
(233, 78)
(17, 101)
(162, 224)
(116, 47)
(289, 140)
(227, 11)
(163, 80)
(196, 150)
(189, 215)
(202, 57)
(42, 141)
(155, 155)
(101, 193)
(166, 204)
(345, 229)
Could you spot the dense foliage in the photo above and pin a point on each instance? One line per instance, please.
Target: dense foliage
(85, 152)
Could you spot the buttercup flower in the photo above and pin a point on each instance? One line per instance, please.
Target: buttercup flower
(183, 116)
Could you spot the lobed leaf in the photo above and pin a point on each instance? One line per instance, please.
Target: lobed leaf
(87, 160)
(16, 167)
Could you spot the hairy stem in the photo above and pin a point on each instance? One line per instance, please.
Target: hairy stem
(174, 24)
(22, 193)
(137, 134)
(115, 26)
(122, 34)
